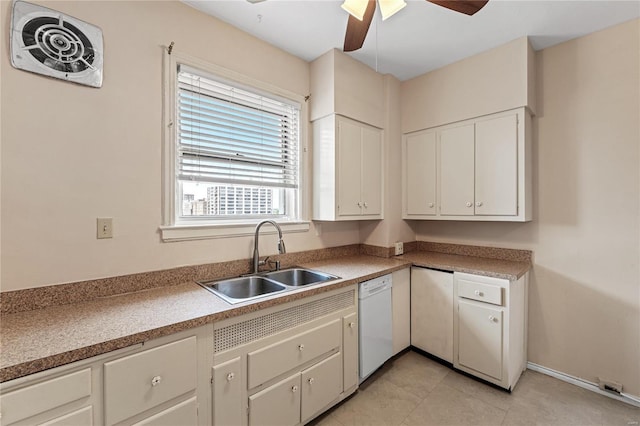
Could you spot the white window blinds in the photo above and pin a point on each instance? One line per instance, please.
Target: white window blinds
(229, 135)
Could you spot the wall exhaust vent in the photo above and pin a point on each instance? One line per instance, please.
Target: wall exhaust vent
(51, 43)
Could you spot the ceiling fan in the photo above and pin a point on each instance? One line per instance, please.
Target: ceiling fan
(361, 14)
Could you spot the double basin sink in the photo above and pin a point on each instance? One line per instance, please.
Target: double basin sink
(242, 289)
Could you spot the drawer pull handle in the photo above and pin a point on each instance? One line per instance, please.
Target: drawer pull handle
(352, 324)
(478, 293)
(230, 377)
(156, 381)
(301, 347)
(294, 388)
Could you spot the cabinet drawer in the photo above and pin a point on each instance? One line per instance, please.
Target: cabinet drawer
(185, 413)
(138, 382)
(273, 360)
(84, 417)
(479, 291)
(44, 396)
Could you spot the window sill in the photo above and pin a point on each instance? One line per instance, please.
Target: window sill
(204, 232)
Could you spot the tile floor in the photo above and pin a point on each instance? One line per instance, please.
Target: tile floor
(413, 390)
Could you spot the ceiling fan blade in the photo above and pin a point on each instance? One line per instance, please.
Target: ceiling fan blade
(357, 30)
(468, 7)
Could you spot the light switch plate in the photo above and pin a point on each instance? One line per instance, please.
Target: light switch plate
(399, 248)
(105, 227)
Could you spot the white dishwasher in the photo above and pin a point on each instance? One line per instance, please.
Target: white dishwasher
(376, 339)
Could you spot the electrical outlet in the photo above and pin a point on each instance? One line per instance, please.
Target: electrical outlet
(399, 248)
(607, 385)
(105, 227)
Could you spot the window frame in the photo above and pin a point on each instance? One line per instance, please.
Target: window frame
(173, 229)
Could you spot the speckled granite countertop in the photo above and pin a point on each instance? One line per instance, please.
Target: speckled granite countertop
(36, 340)
(498, 268)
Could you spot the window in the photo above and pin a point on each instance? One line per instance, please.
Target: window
(233, 151)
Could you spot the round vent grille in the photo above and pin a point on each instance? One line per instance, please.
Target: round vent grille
(48, 42)
(58, 45)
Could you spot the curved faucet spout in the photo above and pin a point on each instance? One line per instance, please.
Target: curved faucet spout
(256, 254)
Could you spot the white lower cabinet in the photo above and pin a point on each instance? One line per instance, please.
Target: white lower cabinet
(161, 382)
(490, 327)
(286, 364)
(350, 351)
(227, 391)
(401, 309)
(432, 312)
(480, 338)
(278, 405)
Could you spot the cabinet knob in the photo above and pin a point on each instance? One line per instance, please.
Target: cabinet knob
(301, 346)
(469, 204)
(492, 318)
(294, 388)
(359, 204)
(156, 380)
(311, 380)
(352, 324)
(366, 205)
(478, 293)
(479, 204)
(431, 205)
(230, 377)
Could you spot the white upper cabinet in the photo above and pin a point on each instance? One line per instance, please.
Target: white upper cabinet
(347, 170)
(496, 166)
(419, 157)
(477, 169)
(456, 170)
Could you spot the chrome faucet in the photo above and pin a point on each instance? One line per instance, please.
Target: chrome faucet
(256, 256)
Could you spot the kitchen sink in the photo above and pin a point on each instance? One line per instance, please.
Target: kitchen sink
(299, 277)
(236, 290)
(242, 289)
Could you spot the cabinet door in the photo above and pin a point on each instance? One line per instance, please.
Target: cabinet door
(349, 168)
(321, 384)
(432, 312)
(420, 174)
(497, 166)
(227, 392)
(401, 309)
(350, 350)
(278, 405)
(371, 171)
(480, 338)
(457, 171)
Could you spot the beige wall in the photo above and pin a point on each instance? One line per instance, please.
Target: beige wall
(584, 295)
(493, 81)
(386, 232)
(71, 153)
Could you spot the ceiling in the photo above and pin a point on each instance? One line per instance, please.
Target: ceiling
(422, 36)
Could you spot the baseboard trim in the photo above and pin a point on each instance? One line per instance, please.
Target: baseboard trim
(629, 399)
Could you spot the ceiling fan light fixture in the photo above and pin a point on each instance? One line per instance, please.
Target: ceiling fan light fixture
(356, 8)
(388, 8)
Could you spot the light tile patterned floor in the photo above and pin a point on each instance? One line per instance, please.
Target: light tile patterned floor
(413, 390)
